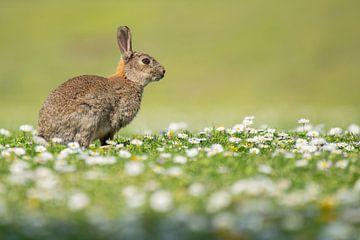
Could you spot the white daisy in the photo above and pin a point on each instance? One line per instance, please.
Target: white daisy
(196, 190)
(124, 154)
(303, 121)
(182, 135)
(26, 128)
(254, 151)
(313, 134)
(73, 145)
(234, 139)
(180, 159)
(78, 201)
(161, 201)
(335, 131)
(354, 129)
(301, 163)
(342, 164)
(192, 152)
(136, 142)
(218, 201)
(4, 132)
(266, 169)
(324, 165)
(194, 140)
(134, 168)
(40, 149)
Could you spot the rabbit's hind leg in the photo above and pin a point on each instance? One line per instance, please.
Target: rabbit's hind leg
(85, 132)
(86, 123)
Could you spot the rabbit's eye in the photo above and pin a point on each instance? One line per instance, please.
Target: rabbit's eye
(146, 61)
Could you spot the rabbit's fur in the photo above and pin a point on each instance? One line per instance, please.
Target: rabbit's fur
(88, 107)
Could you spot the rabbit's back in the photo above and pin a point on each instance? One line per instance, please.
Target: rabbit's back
(86, 91)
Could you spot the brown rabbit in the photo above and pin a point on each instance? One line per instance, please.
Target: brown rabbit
(88, 107)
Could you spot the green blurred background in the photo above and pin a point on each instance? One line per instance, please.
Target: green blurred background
(278, 60)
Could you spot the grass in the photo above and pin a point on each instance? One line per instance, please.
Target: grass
(232, 183)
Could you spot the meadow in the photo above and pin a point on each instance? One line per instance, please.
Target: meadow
(189, 166)
(237, 182)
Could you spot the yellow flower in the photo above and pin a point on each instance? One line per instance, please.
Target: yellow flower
(327, 204)
(33, 203)
(170, 133)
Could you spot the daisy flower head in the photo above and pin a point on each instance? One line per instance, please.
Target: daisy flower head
(354, 129)
(238, 128)
(342, 164)
(124, 153)
(254, 151)
(208, 129)
(176, 126)
(303, 121)
(4, 132)
(196, 190)
(56, 140)
(78, 201)
(18, 151)
(74, 145)
(194, 140)
(161, 201)
(43, 157)
(220, 129)
(26, 128)
(174, 171)
(248, 120)
(182, 135)
(335, 131)
(218, 201)
(234, 139)
(313, 134)
(136, 142)
(134, 197)
(192, 152)
(134, 168)
(324, 165)
(180, 159)
(230, 131)
(301, 163)
(266, 169)
(111, 142)
(40, 149)
(215, 149)
(165, 155)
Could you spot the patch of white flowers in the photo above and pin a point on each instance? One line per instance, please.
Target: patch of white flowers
(166, 177)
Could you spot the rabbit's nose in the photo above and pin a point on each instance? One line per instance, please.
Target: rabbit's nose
(164, 71)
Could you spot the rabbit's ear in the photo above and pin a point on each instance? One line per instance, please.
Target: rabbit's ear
(124, 42)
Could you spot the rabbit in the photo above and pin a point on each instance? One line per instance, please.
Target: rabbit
(89, 107)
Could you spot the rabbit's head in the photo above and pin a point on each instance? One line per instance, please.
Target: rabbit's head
(138, 67)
